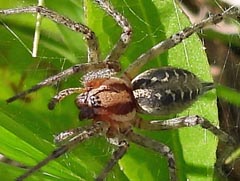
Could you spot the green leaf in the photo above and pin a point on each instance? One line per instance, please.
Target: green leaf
(27, 128)
(228, 94)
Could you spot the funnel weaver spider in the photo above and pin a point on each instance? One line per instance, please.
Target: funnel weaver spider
(112, 101)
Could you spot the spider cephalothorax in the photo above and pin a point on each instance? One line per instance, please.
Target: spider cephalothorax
(112, 101)
(109, 99)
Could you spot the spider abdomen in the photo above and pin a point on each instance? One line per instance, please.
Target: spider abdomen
(167, 90)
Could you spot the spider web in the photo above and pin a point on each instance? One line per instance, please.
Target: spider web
(54, 56)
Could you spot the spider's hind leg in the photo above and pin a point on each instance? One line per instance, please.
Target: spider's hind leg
(188, 121)
(158, 147)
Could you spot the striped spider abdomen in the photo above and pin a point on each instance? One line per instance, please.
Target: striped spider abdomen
(167, 90)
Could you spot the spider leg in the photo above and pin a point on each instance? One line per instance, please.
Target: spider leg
(125, 37)
(117, 155)
(189, 121)
(63, 137)
(158, 147)
(91, 131)
(174, 40)
(62, 94)
(93, 47)
(60, 76)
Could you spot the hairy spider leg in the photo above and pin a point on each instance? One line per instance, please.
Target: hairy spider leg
(93, 50)
(63, 137)
(92, 42)
(122, 149)
(133, 69)
(126, 35)
(83, 68)
(158, 147)
(116, 156)
(93, 45)
(188, 121)
(122, 145)
(72, 136)
(62, 94)
(91, 131)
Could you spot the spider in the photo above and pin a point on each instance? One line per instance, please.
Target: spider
(113, 101)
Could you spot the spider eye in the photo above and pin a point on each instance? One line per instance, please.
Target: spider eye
(86, 111)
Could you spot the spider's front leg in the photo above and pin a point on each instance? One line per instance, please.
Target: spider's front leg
(89, 35)
(176, 39)
(126, 35)
(83, 68)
